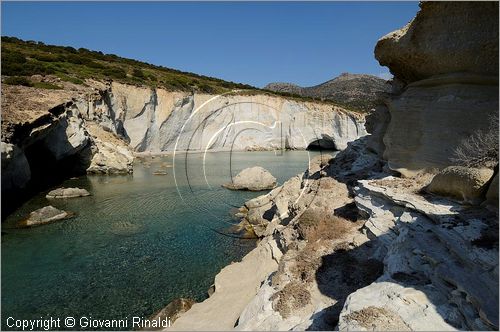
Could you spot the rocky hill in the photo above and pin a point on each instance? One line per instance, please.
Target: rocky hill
(359, 91)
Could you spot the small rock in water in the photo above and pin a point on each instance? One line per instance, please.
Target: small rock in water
(45, 215)
(67, 193)
(253, 179)
(160, 172)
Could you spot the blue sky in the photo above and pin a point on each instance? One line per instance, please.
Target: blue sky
(254, 43)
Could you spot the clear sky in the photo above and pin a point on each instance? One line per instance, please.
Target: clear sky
(248, 42)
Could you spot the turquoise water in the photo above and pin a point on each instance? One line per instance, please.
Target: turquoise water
(137, 243)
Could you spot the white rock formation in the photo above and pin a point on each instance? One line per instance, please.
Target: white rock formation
(157, 120)
(45, 215)
(253, 179)
(67, 193)
(435, 277)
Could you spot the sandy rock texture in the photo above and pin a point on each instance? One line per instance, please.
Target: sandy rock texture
(444, 37)
(445, 64)
(465, 184)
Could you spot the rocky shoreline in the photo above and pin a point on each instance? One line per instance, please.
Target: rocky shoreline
(390, 234)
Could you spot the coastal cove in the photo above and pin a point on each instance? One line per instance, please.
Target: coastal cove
(138, 242)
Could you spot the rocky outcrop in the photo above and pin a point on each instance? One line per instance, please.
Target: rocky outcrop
(443, 38)
(468, 185)
(442, 90)
(45, 215)
(67, 193)
(16, 172)
(437, 260)
(253, 179)
(110, 154)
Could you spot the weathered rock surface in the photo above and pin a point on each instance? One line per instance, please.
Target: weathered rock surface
(111, 155)
(437, 262)
(465, 184)
(442, 90)
(253, 179)
(16, 171)
(444, 37)
(45, 215)
(67, 193)
(158, 120)
(440, 114)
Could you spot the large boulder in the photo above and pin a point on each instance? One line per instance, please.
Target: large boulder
(67, 193)
(465, 184)
(444, 37)
(15, 168)
(45, 215)
(253, 179)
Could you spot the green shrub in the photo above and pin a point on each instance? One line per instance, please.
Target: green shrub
(18, 80)
(138, 73)
(71, 79)
(93, 64)
(115, 72)
(47, 57)
(46, 85)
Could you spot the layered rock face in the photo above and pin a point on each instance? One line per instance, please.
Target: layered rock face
(156, 120)
(445, 64)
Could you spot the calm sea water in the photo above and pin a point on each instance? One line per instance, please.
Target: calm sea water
(137, 243)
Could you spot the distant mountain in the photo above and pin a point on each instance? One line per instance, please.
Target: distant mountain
(354, 90)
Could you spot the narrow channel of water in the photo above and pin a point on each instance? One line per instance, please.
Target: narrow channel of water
(137, 243)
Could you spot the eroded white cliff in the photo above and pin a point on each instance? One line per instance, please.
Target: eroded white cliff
(157, 120)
